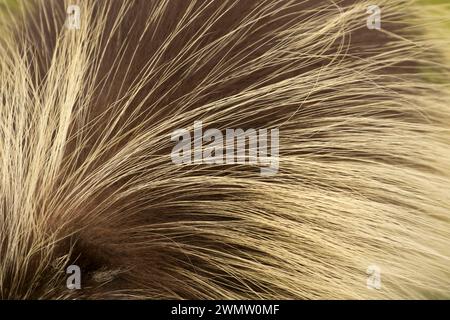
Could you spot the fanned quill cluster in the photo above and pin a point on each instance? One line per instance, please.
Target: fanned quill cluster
(86, 176)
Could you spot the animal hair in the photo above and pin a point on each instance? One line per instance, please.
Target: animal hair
(86, 176)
